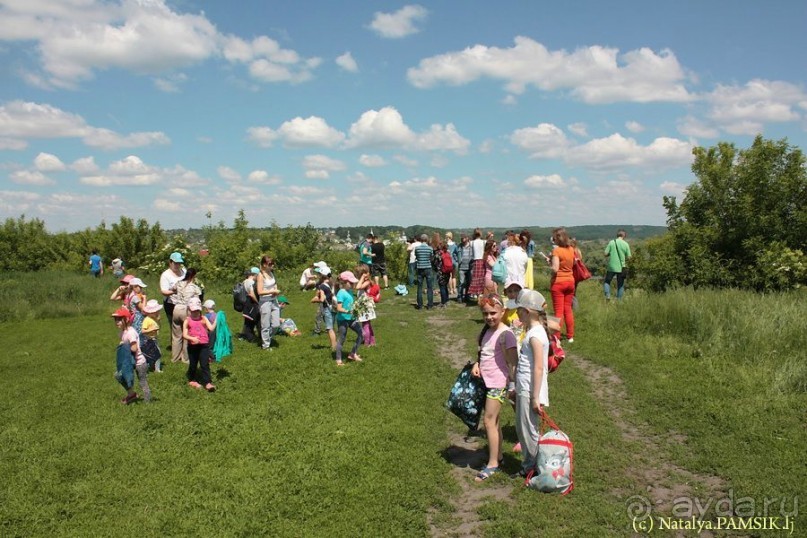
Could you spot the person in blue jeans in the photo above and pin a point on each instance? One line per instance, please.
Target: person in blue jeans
(423, 265)
(617, 251)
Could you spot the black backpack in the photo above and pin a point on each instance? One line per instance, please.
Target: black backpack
(240, 297)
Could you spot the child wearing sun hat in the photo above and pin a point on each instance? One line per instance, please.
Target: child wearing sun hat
(148, 334)
(344, 317)
(130, 358)
(196, 331)
(532, 390)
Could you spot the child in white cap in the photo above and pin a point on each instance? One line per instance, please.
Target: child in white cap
(532, 390)
(209, 309)
(136, 301)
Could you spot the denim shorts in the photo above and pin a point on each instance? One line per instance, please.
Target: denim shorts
(327, 317)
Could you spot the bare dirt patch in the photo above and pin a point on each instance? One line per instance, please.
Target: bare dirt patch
(663, 481)
(465, 454)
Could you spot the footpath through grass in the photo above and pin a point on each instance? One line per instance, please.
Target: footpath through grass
(292, 446)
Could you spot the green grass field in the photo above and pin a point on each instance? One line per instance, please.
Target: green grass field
(290, 445)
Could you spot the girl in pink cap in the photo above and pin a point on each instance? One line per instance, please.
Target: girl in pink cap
(344, 317)
(195, 330)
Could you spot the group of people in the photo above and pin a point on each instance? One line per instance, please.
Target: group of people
(519, 337)
(199, 334)
(478, 266)
(474, 268)
(348, 303)
(96, 264)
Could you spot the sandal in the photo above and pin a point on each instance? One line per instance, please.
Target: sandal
(354, 358)
(486, 473)
(340, 363)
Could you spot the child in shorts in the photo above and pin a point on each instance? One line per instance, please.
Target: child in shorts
(324, 298)
(496, 366)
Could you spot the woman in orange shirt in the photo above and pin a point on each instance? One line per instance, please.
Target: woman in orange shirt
(562, 286)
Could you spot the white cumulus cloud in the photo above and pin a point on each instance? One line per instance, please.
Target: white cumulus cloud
(26, 120)
(311, 131)
(634, 126)
(544, 141)
(84, 166)
(262, 136)
(262, 177)
(298, 133)
(400, 23)
(553, 181)
(594, 74)
(372, 161)
(746, 109)
(321, 166)
(381, 128)
(385, 128)
(346, 62)
(46, 162)
(579, 128)
(616, 151)
(132, 171)
(31, 177)
(228, 174)
(76, 38)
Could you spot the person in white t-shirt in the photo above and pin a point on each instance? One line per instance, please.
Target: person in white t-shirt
(309, 279)
(410, 248)
(531, 388)
(515, 259)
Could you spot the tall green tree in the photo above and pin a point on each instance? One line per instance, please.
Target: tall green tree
(743, 222)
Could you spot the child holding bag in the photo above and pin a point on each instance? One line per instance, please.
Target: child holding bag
(496, 365)
(532, 390)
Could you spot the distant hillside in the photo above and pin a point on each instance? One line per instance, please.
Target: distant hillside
(582, 233)
(599, 232)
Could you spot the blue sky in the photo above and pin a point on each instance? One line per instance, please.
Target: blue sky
(460, 114)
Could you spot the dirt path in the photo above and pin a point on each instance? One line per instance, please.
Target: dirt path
(663, 481)
(466, 454)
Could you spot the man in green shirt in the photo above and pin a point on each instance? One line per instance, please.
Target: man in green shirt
(617, 251)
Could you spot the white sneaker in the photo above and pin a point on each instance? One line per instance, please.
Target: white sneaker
(570, 341)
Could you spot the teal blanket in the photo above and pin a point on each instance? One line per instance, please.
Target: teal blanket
(224, 340)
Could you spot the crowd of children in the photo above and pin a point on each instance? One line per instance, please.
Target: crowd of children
(205, 336)
(514, 348)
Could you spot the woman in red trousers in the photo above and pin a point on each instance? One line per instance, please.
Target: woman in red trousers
(562, 286)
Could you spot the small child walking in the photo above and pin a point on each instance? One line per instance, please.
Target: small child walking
(366, 303)
(496, 365)
(345, 319)
(195, 330)
(324, 298)
(149, 333)
(532, 390)
(209, 307)
(129, 354)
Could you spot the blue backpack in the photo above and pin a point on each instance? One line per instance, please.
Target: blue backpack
(499, 272)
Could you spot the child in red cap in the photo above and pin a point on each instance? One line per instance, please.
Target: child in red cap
(130, 357)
